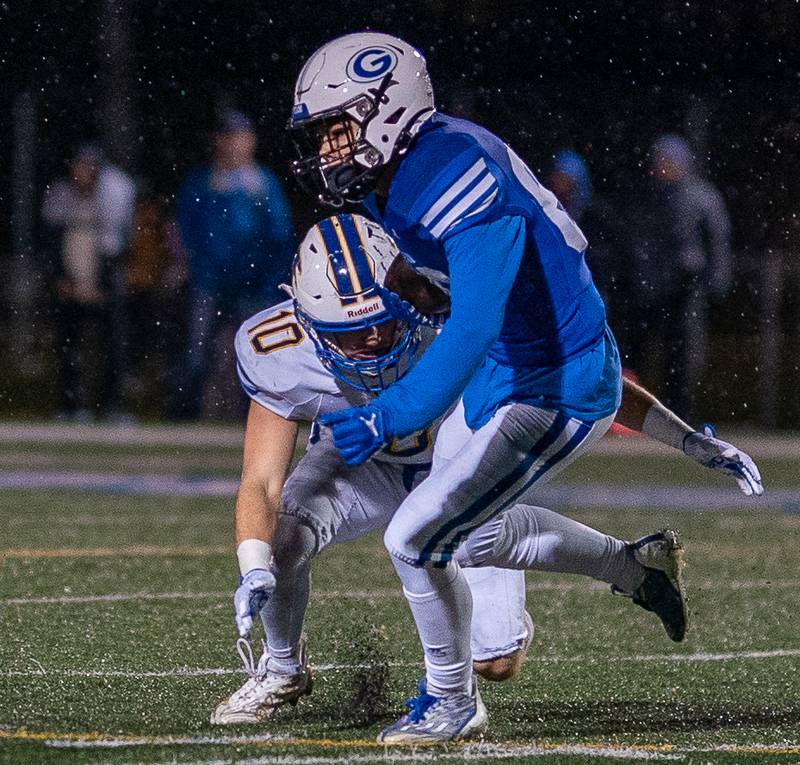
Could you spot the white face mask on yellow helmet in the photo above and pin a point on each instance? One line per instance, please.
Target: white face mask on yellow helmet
(373, 90)
(338, 281)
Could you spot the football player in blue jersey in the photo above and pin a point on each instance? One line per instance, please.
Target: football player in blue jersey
(526, 347)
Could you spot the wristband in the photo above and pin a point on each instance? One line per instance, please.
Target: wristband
(252, 554)
(665, 426)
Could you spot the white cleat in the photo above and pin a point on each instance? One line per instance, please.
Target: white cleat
(264, 691)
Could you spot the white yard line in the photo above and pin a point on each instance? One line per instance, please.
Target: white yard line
(114, 743)
(119, 597)
(376, 594)
(699, 657)
(463, 754)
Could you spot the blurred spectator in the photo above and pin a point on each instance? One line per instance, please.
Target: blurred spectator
(607, 253)
(87, 219)
(682, 258)
(157, 281)
(235, 223)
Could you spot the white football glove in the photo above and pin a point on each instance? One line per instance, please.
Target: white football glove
(250, 597)
(719, 455)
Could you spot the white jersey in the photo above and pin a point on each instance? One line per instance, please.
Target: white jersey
(279, 369)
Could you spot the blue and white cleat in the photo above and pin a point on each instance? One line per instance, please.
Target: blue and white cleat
(432, 719)
(662, 591)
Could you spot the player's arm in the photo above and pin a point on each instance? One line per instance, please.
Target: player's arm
(483, 262)
(269, 444)
(643, 412)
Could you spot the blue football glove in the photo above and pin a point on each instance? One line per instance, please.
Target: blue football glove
(404, 311)
(719, 455)
(357, 433)
(252, 594)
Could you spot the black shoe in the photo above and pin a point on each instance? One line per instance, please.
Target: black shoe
(662, 590)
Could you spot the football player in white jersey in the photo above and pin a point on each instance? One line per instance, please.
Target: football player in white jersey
(337, 344)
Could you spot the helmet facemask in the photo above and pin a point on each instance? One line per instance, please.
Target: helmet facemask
(365, 372)
(338, 275)
(336, 164)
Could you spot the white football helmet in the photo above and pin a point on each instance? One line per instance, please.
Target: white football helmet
(338, 278)
(375, 84)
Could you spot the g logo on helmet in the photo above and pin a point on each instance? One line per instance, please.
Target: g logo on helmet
(370, 64)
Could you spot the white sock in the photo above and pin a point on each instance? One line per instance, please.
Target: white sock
(283, 618)
(441, 604)
(533, 538)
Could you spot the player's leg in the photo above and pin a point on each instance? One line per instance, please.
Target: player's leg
(527, 537)
(322, 503)
(501, 629)
(496, 466)
(520, 447)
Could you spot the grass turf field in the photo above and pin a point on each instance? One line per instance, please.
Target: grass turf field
(116, 632)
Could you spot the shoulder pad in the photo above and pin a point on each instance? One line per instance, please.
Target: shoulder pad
(277, 365)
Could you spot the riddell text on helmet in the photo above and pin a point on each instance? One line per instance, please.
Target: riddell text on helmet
(365, 309)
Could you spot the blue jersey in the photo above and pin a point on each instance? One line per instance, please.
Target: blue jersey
(527, 323)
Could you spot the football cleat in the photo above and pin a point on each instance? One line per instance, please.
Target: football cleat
(662, 591)
(264, 691)
(433, 719)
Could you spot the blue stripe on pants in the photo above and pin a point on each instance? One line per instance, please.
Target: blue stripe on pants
(550, 436)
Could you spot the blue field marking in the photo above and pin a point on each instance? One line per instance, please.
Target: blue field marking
(585, 495)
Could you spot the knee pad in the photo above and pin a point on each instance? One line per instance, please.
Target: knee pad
(295, 542)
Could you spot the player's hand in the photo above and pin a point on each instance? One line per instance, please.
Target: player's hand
(719, 455)
(357, 433)
(251, 596)
(404, 311)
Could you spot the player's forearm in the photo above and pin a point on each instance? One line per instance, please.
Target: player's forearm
(435, 382)
(483, 266)
(643, 412)
(256, 513)
(255, 523)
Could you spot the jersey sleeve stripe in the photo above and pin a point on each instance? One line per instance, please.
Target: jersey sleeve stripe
(460, 198)
(471, 204)
(453, 191)
(481, 207)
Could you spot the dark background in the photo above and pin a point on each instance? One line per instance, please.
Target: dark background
(604, 78)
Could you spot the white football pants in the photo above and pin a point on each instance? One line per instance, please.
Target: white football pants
(327, 502)
(475, 495)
